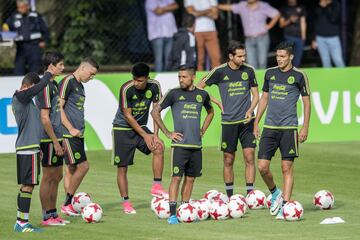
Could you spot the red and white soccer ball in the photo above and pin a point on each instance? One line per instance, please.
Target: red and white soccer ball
(293, 211)
(203, 208)
(221, 196)
(219, 210)
(162, 208)
(187, 213)
(237, 197)
(80, 200)
(324, 200)
(268, 201)
(237, 208)
(209, 195)
(92, 213)
(154, 202)
(256, 199)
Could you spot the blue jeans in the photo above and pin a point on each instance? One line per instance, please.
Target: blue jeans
(161, 49)
(298, 49)
(257, 49)
(330, 49)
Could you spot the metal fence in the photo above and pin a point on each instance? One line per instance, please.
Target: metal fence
(114, 31)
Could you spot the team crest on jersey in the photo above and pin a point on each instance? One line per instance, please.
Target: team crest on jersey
(245, 76)
(148, 94)
(273, 78)
(291, 80)
(181, 98)
(117, 159)
(226, 77)
(198, 98)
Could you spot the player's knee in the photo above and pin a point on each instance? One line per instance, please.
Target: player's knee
(228, 160)
(176, 179)
(286, 170)
(263, 169)
(158, 151)
(84, 167)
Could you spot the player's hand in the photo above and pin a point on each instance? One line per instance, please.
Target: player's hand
(158, 143)
(158, 11)
(303, 134)
(149, 140)
(256, 131)
(314, 45)
(75, 132)
(175, 136)
(294, 18)
(52, 69)
(42, 44)
(58, 149)
(248, 116)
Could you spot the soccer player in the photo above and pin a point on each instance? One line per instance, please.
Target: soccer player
(48, 101)
(130, 132)
(72, 101)
(282, 87)
(27, 145)
(186, 104)
(236, 82)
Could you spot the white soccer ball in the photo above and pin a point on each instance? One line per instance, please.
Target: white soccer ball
(92, 213)
(221, 196)
(209, 195)
(324, 200)
(219, 210)
(293, 211)
(154, 202)
(187, 213)
(203, 208)
(268, 201)
(237, 197)
(80, 200)
(256, 199)
(162, 208)
(237, 208)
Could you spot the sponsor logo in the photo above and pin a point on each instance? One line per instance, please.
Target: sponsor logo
(226, 77)
(181, 98)
(273, 78)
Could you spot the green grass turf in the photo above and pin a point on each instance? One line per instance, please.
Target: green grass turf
(332, 166)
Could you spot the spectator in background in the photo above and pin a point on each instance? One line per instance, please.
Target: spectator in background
(161, 27)
(183, 50)
(253, 15)
(206, 37)
(293, 21)
(327, 33)
(32, 35)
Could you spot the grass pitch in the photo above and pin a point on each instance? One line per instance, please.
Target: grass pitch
(331, 166)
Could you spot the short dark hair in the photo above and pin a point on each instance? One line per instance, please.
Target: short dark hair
(287, 46)
(91, 61)
(31, 78)
(188, 20)
(187, 68)
(52, 58)
(235, 45)
(140, 70)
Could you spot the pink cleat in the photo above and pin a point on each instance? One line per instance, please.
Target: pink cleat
(52, 222)
(158, 191)
(69, 211)
(60, 220)
(128, 208)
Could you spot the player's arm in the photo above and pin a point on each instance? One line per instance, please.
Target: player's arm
(254, 102)
(209, 117)
(273, 21)
(45, 120)
(260, 111)
(169, 8)
(214, 13)
(155, 113)
(27, 95)
(65, 121)
(303, 27)
(191, 10)
(307, 112)
(225, 7)
(202, 85)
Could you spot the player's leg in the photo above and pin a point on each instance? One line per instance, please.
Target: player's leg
(193, 168)
(187, 188)
(248, 143)
(212, 48)
(269, 142)
(20, 61)
(200, 46)
(28, 171)
(229, 141)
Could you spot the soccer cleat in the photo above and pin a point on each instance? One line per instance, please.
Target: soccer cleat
(59, 219)
(276, 200)
(52, 222)
(158, 191)
(173, 220)
(128, 208)
(69, 211)
(280, 215)
(26, 228)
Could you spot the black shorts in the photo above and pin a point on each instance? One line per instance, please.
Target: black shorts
(125, 142)
(285, 139)
(49, 159)
(231, 133)
(74, 151)
(28, 168)
(186, 161)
